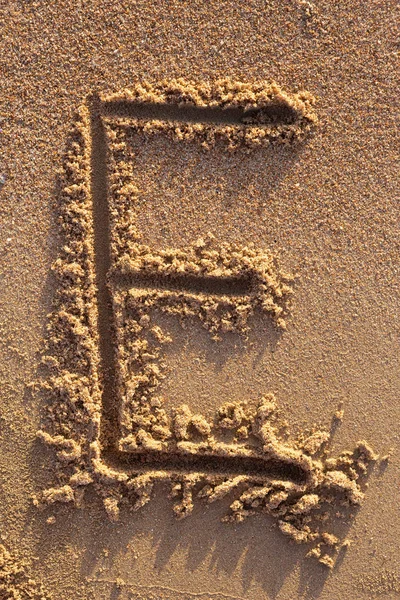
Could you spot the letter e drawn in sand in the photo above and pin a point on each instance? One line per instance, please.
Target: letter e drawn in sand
(104, 416)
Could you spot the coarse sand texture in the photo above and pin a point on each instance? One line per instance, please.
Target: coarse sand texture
(105, 359)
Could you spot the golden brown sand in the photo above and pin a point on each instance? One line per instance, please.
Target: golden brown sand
(324, 208)
(15, 583)
(104, 406)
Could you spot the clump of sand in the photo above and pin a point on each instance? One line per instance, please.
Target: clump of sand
(15, 582)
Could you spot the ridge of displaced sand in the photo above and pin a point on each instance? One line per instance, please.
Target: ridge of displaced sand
(303, 509)
(265, 113)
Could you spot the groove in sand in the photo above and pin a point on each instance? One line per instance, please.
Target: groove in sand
(102, 257)
(274, 113)
(207, 463)
(191, 284)
(148, 460)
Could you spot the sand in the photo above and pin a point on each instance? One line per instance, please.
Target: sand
(258, 343)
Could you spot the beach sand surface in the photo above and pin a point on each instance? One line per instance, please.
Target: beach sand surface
(328, 207)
